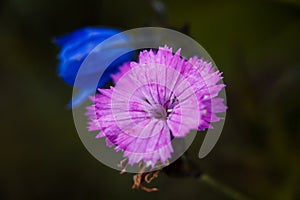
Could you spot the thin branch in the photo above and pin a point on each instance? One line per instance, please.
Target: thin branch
(229, 192)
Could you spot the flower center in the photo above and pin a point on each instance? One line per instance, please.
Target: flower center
(158, 111)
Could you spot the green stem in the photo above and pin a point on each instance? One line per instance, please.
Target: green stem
(229, 192)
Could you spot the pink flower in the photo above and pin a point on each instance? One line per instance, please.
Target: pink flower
(154, 100)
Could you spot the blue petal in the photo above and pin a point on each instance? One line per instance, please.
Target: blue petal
(84, 34)
(68, 69)
(83, 94)
(76, 46)
(80, 98)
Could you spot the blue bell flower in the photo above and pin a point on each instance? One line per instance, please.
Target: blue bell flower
(76, 46)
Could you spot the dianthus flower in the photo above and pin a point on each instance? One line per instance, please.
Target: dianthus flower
(160, 97)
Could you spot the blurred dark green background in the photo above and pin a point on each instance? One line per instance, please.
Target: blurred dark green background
(255, 43)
